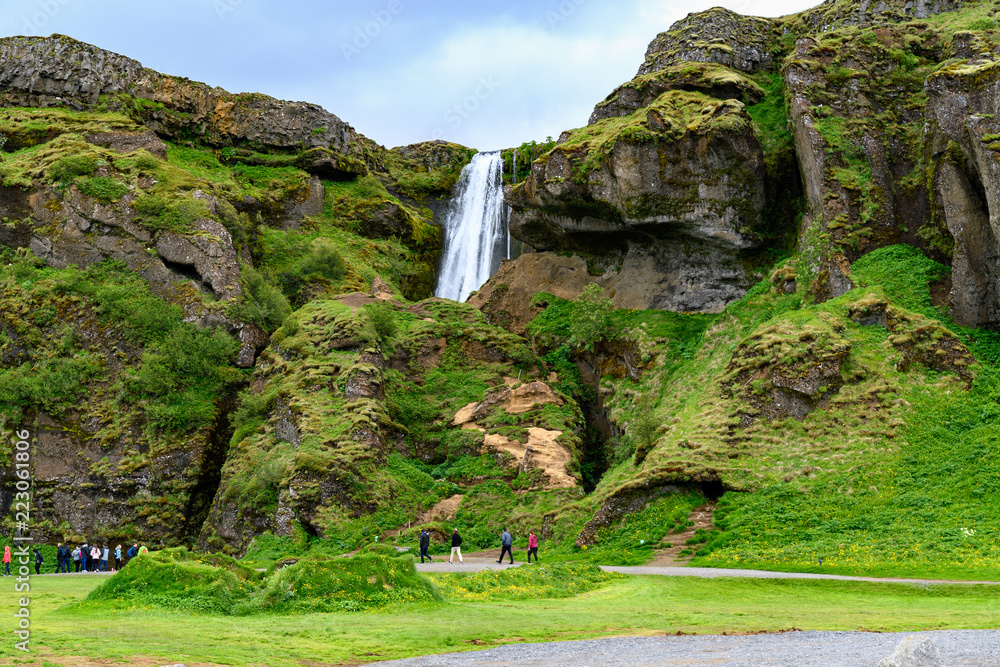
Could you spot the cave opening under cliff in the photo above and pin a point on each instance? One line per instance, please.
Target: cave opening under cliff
(187, 271)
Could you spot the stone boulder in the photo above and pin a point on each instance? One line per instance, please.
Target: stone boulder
(209, 251)
(914, 651)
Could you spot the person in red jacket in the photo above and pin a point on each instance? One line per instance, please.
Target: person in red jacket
(532, 546)
(6, 561)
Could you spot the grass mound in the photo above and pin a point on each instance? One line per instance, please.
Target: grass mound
(181, 580)
(364, 582)
(561, 580)
(212, 583)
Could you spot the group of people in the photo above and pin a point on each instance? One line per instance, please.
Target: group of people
(506, 544)
(83, 558)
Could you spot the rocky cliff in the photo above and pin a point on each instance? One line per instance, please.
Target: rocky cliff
(765, 277)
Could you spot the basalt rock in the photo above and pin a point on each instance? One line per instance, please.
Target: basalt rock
(61, 71)
(667, 202)
(745, 43)
(963, 146)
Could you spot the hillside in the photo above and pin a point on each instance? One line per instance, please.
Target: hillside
(763, 282)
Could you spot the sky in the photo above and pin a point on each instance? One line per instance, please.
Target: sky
(482, 73)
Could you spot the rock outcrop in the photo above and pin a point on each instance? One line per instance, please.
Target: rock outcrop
(666, 200)
(963, 146)
(61, 71)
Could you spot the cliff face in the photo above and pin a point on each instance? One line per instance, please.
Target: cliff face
(669, 196)
(60, 71)
(155, 232)
(842, 129)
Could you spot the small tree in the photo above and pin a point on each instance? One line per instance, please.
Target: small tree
(383, 320)
(643, 428)
(591, 320)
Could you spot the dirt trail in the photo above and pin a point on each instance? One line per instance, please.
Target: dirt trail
(671, 556)
(443, 511)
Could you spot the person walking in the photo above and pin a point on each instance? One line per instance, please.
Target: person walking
(95, 557)
(59, 558)
(506, 541)
(6, 561)
(532, 547)
(118, 558)
(425, 543)
(38, 561)
(105, 552)
(132, 552)
(84, 556)
(456, 548)
(76, 559)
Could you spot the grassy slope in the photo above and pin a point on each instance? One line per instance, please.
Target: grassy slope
(628, 606)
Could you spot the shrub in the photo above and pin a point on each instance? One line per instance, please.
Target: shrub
(261, 302)
(591, 320)
(322, 261)
(382, 318)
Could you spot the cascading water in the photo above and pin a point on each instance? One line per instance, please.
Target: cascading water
(476, 237)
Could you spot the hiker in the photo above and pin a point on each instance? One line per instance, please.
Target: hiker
(104, 558)
(95, 557)
(506, 541)
(64, 552)
(532, 547)
(84, 556)
(143, 550)
(132, 552)
(38, 561)
(59, 557)
(76, 559)
(456, 547)
(425, 543)
(118, 558)
(6, 561)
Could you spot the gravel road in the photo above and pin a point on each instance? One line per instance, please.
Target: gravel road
(790, 649)
(473, 564)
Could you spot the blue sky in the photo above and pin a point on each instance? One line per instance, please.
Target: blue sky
(483, 73)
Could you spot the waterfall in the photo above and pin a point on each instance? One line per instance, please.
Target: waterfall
(475, 228)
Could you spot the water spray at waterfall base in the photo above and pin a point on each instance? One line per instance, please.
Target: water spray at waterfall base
(475, 227)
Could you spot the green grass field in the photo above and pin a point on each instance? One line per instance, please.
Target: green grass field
(67, 633)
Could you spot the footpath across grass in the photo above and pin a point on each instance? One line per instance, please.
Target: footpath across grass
(67, 633)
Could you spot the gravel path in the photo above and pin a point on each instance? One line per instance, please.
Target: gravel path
(478, 564)
(790, 649)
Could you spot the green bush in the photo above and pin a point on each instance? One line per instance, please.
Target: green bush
(591, 321)
(261, 302)
(383, 320)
